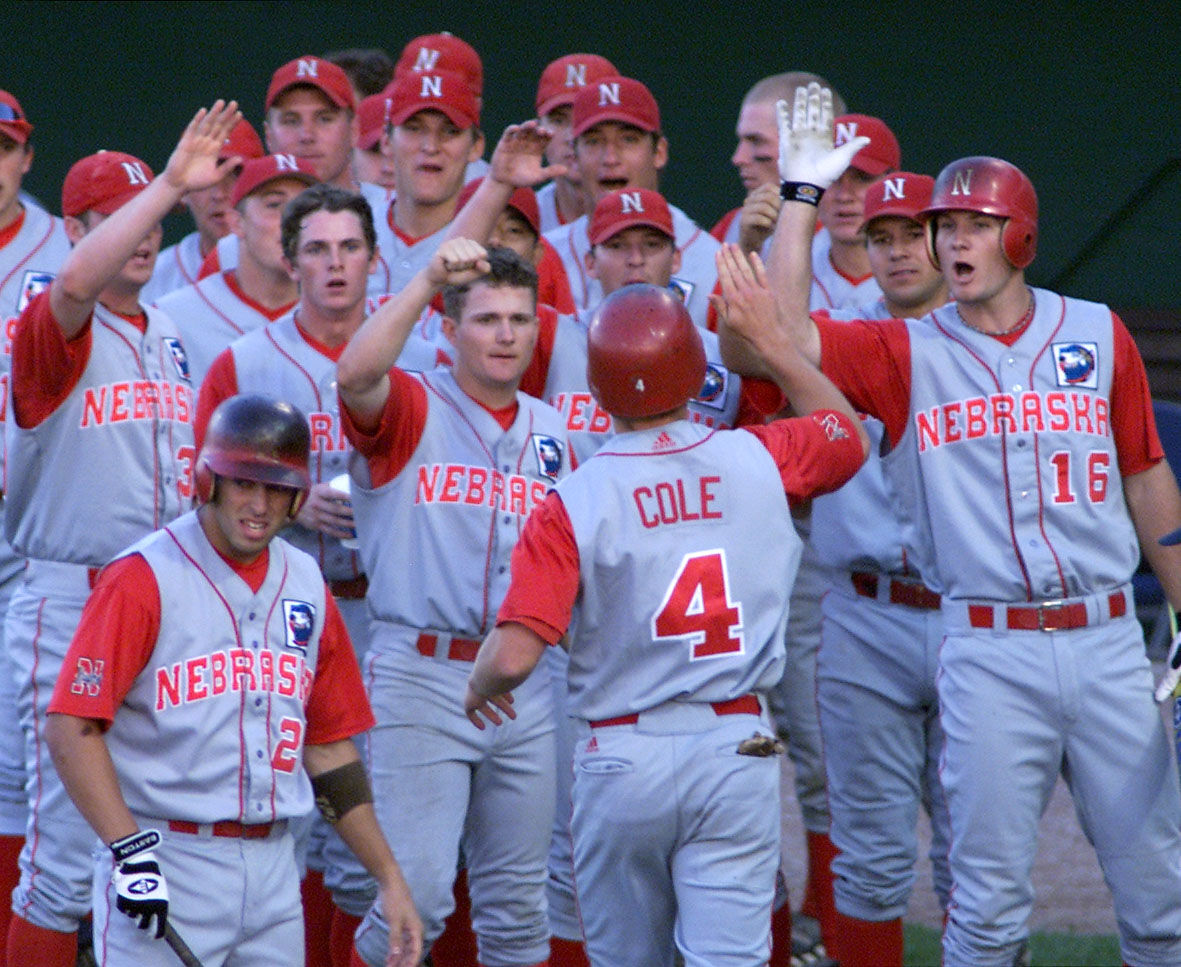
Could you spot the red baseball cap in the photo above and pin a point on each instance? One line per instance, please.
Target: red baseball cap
(373, 114)
(902, 194)
(271, 167)
(103, 183)
(431, 53)
(563, 78)
(882, 154)
(615, 99)
(315, 72)
(443, 91)
(523, 200)
(12, 119)
(243, 141)
(627, 208)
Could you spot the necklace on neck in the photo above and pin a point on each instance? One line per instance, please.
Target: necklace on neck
(1020, 324)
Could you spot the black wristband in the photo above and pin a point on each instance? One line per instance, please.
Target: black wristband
(135, 843)
(800, 191)
(340, 789)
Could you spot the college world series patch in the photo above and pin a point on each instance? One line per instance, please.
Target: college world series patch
(1075, 364)
(179, 359)
(549, 455)
(300, 616)
(32, 285)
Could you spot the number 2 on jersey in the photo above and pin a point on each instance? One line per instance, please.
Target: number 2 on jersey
(697, 606)
(287, 752)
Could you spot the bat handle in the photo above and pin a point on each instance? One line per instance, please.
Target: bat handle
(179, 947)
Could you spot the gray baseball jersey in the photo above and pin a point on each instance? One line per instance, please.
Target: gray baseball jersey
(224, 654)
(209, 316)
(127, 427)
(469, 488)
(1015, 429)
(695, 281)
(688, 613)
(176, 266)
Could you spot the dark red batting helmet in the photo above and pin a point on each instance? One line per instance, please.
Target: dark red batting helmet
(256, 438)
(992, 187)
(644, 354)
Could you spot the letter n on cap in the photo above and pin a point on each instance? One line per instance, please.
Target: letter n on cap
(962, 183)
(432, 86)
(135, 173)
(307, 68)
(608, 94)
(631, 201)
(894, 188)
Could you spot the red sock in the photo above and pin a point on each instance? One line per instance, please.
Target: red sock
(340, 937)
(456, 946)
(29, 944)
(818, 902)
(781, 936)
(567, 953)
(317, 919)
(868, 943)
(10, 876)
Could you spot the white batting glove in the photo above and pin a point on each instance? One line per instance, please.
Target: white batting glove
(806, 152)
(1170, 683)
(140, 888)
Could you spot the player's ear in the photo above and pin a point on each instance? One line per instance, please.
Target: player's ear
(449, 327)
(660, 152)
(75, 229)
(589, 261)
(676, 262)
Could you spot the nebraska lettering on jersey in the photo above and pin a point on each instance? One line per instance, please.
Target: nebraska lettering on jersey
(141, 399)
(583, 414)
(327, 432)
(1003, 413)
(456, 483)
(675, 502)
(232, 670)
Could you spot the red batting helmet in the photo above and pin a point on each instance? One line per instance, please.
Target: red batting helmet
(644, 355)
(256, 438)
(992, 187)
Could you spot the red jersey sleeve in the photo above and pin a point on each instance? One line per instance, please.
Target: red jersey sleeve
(815, 454)
(388, 447)
(220, 383)
(115, 638)
(337, 707)
(45, 365)
(1133, 424)
(553, 285)
(869, 361)
(545, 570)
(723, 226)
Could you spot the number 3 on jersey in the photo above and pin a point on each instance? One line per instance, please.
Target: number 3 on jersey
(697, 607)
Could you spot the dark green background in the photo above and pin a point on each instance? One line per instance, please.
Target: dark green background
(1085, 97)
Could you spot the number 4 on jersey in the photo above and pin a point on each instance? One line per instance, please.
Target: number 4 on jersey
(697, 607)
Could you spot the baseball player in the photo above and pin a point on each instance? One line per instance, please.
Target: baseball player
(880, 636)
(221, 307)
(206, 647)
(756, 157)
(654, 552)
(1022, 435)
(435, 134)
(563, 199)
(97, 377)
(180, 264)
(617, 145)
(452, 462)
(328, 239)
(33, 244)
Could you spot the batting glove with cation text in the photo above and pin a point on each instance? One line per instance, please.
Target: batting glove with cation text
(806, 152)
(140, 887)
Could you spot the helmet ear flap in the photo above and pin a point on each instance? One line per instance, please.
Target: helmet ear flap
(205, 482)
(298, 499)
